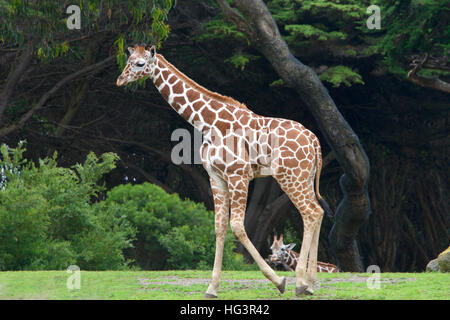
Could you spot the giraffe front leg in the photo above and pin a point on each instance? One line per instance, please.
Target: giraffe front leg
(238, 199)
(221, 208)
(211, 292)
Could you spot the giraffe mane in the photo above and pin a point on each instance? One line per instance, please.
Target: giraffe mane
(203, 90)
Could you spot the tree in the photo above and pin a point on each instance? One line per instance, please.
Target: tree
(255, 20)
(50, 71)
(415, 42)
(402, 126)
(35, 28)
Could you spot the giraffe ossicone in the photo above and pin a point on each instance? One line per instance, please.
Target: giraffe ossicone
(238, 146)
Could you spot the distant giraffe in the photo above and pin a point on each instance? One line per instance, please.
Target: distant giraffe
(284, 255)
(239, 146)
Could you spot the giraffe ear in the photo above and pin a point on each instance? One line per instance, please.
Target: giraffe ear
(290, 246)
(130, 50)
(152, 50)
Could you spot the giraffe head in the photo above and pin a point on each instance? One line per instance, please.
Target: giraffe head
(279, 249)
(141, 63)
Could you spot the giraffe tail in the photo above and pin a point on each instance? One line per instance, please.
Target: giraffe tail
(322, 202)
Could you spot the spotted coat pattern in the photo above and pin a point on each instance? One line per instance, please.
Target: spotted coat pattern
(238, 146)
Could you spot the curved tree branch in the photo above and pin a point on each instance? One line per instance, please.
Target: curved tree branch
(433, 83)
(19, 124)
(15, 75)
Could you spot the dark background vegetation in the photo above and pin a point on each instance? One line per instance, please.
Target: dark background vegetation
(402, 125)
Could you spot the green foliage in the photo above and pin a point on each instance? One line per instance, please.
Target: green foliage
(347, 9)
(44, 22)
(290, 235)
(240, 60)
(413, 27)
(317, 19)
(307, 23)
(277, 83)
(283, 11)
(307, 31)
(101, 245)
(351, 52)
(171, 233)
(338, 75)
(47, 220)
(217, 28)
(304, 24)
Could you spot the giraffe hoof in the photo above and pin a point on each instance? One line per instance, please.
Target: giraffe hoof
(210, 296)
(303, 290)
(281, 287)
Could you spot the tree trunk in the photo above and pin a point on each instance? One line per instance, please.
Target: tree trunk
(258, 24)
(267, 206)
(16, 73)
(265, 190)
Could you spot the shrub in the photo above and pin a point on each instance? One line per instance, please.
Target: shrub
(47, 220)
(171, 233)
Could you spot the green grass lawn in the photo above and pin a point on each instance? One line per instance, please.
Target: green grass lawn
(192, 284)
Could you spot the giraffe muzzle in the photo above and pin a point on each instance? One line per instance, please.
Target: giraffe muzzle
(272, 258)
(120, 81)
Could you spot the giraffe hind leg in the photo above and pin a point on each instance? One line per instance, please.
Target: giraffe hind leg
(304, 199)
(306, 271)
(312, 257)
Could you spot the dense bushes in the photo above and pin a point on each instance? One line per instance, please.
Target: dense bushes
(49, 219)
(172, 234)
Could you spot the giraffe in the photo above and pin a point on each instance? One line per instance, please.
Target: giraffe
(238, 146)
(284, 255)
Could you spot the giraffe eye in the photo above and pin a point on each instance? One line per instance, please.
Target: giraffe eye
(140, 64)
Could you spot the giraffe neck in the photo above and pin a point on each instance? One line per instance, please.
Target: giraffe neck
(197, 105)
(292, 258)
(326, 267)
